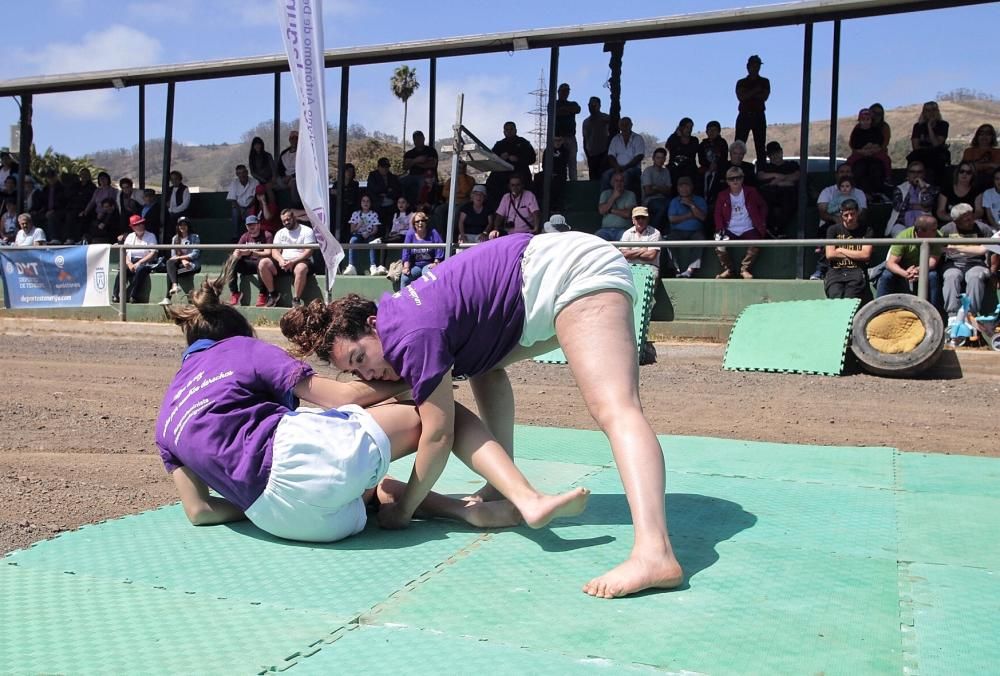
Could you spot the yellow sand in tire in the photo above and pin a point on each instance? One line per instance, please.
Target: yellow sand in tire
(895, 331)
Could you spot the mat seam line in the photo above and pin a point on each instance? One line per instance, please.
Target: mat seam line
(908, 648)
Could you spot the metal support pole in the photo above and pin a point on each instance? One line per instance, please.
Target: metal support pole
(807, 47)
(276, 136)
(121, 284)
(550, 130)
(456, 148)
(834, 95)
(925, 266)
(168, 141)
(432, 106)
(24, 150)
(345, 84)
(142, 137)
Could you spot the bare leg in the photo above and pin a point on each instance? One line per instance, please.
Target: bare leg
(608, 379)
(301, 272)
(496, 514)
(267, 271)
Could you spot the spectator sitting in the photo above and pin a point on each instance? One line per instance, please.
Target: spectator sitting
(560, 170)
(474, 218)
(103, 227)
(964, 263)
(463, 188)
(150, 211)
(625, 154)
(687, 215)
(828, 205)
(869, 158)
(962, 190)
(262, 167)
(241, 195)
(910, 199)
(740, 213)
(656, 188)
(902, 265)
(185, 259)
(29, 234)
(351, 196)
(248, 260)
(556, 223)
(365, 226)
(752, 92)
(615, 206)
(416, 162)
(429, 193)
(8, 224)
(128, 204)
(296, 261)
(519, 153)
(8, 167)
(384, 189)
(9, 191)
(984, 155)
(138, 262)
(737, 153)
(929, 141)
(286, 168)
(989, 202)
(641, 231)
(103, 191)
(779, 183)
(595, 138)
(177, 203)
(848, 273)
(518, 210)
(402, 221)
(683, 149)
(418, 260)
(713, 154)
(51, 208)
(265, 210)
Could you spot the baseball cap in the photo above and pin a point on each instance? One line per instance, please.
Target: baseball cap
(640, 211)
(251, 219)
(479, 188)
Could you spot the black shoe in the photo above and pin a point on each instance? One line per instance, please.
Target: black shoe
(297, 301)
(272, 299)
(115, 300)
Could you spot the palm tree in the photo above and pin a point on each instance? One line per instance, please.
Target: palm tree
(404, 83)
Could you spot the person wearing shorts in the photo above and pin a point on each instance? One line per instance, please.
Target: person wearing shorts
(295, 262)
(505, 300)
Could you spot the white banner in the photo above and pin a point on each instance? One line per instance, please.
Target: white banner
(70, 276)
(302, 32)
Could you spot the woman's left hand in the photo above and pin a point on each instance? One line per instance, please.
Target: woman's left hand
(392, 517)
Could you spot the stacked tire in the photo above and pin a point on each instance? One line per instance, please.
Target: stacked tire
(910, 362)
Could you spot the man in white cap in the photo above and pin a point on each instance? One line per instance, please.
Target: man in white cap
(641, 231)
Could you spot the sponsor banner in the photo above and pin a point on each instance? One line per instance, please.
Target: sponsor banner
(71, 276)
(302, 31)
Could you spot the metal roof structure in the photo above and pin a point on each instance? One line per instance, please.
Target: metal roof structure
(785, 14)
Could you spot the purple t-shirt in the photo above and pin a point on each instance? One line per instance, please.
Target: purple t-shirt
(219, 414)
(466, 313)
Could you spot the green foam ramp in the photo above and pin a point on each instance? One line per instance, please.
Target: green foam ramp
(644, 277)
(803, 336)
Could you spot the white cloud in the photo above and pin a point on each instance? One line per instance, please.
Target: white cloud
(114, 47)
(160, 11)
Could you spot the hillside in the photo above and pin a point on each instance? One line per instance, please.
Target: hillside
(210, 167)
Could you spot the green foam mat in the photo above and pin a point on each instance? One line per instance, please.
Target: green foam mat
(799, 559)
(803, 336)
(644, 277)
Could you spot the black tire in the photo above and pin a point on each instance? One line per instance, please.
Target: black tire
(907, 364)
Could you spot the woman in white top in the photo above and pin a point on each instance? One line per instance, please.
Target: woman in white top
(365, 226)
(184, 260)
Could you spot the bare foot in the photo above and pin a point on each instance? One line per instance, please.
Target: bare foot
(635, 575)
(543, 509)
(495, 514)
(485, 494)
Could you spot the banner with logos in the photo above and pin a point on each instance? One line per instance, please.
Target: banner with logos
(302, 32)
(71, 276)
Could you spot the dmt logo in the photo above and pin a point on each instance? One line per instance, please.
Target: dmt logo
(27, 269)
(10, 268)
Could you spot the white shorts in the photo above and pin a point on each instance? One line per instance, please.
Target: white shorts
(558, 268)
(322, 463)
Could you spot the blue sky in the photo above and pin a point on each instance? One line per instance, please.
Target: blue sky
(895, 60)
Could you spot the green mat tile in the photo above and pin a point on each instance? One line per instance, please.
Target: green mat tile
(955, 613)
(588, 447)
(644, 277)
(396, 650)
(804, 336)
(59, 623)
(939, 473)
(949, 529)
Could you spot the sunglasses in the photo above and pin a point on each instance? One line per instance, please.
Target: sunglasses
(965, 171)
(419, 220)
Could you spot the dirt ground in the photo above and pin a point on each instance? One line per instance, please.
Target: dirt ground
(78, 401)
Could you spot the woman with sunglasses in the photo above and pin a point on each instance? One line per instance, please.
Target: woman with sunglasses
(984, 154)
(962, 190)
(418, 260)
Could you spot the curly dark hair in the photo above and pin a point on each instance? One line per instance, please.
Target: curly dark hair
(313, 328)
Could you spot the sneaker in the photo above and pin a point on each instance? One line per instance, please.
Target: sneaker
(235, 297)
(165, 301)
(816, 276)
(373, 270)
(261, 299)
(115, 300)
(381, 270)
(686, 274)
(349, 270)
(297, 301)
(175, 289)
(272, 299)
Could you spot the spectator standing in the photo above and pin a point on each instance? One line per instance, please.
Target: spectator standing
(248, 260)
(29, 234)
(185, 257)
(293, 261)
(521, 155)
(566, 112)
(984, 155)
(683, 149)
(713, 155)
(463, 190)
(286, 168)
(595, 138)
(964, 264)
(178, 202)
(518, 211)
(384, 189)
(138, 262)
(241, 195)
(869, 159)
(625, 154)
(989, 202)
(687, 214)
(351, 196)
(902, 265)
(417, 161)
(560, 170)
(8, 167)
(474, 218)
(365, 225)
(9, 191)
(615, 206)
(848, 273)
(962, 190)
(779, 184)
(740, 213)
(265, 210)
(911, 199)
(418, 260)
(641, 231)
(103, 191)
(129, 202)
(150, 211)
(752, 92)
(51, 209)
(657, 188)
(929, 140)
(262, 167)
